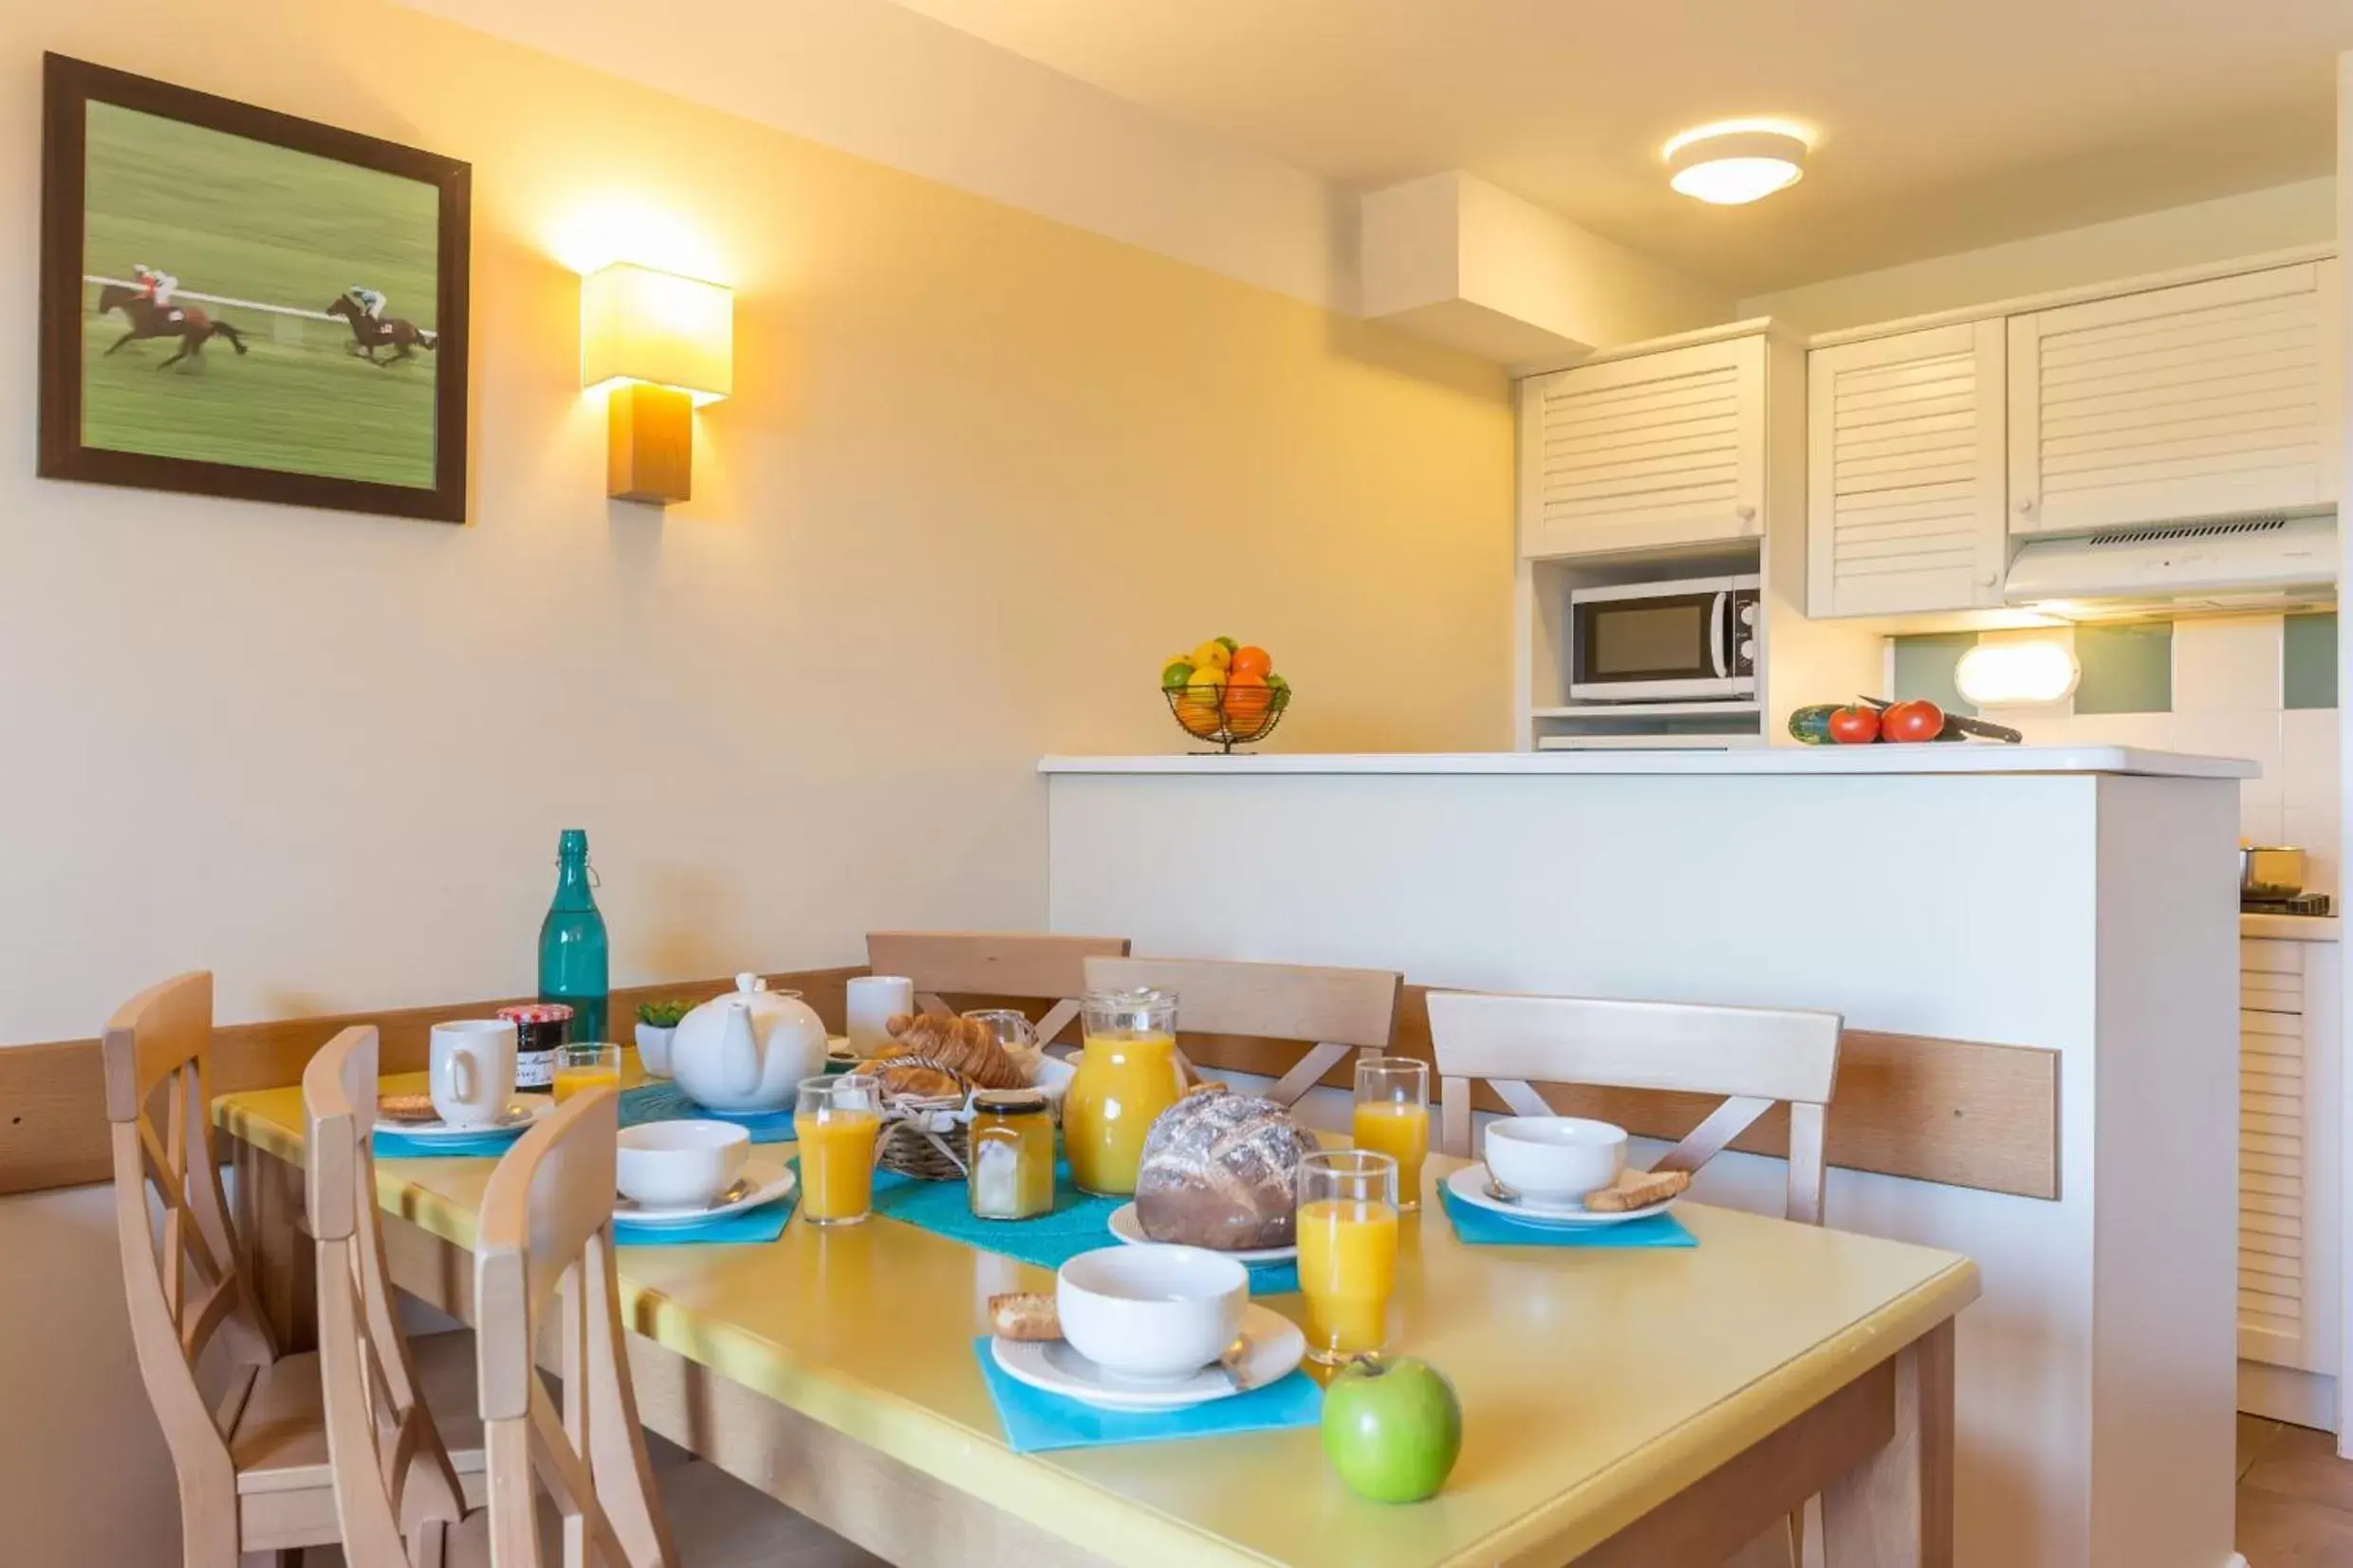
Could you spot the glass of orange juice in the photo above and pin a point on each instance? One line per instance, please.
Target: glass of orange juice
(836, 1121)
(1392, 1117)
(587, 1065)
(1348, 1250)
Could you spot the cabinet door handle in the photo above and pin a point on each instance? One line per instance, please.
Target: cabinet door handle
(2026, 503)
(1745, 514)
(1987, 579)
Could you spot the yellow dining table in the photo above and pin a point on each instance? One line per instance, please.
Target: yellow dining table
(1648, 1407)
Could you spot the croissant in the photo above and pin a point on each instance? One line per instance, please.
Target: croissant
(963, 1044)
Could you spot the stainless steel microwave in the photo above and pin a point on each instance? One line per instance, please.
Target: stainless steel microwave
(1692, 639)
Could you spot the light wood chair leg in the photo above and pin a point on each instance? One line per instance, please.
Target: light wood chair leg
(1895, 1511)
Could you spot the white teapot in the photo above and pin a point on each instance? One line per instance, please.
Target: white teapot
(747, 1050)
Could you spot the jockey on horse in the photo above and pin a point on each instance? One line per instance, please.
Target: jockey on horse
(156, 289)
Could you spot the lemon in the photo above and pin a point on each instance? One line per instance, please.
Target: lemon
(1211, 653)
(1206, 675)
(1178, 673)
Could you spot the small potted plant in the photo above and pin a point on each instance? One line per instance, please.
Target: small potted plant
(657, 1023)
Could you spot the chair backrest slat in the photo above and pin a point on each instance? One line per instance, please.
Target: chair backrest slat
(391, 1470)
(1754, 1057)
(1331, 1011)
(154, 1055)
(545, 1244)
(1035, 965)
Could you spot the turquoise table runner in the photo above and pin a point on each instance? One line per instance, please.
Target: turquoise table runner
(1081, 1222)
(1038, 1422)
(487, 1144)
(764, 1224)
(1485, 1227)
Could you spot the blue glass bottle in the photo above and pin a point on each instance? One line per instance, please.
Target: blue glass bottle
(575, 964)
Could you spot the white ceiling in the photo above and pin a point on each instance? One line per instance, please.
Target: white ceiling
(1944, 124)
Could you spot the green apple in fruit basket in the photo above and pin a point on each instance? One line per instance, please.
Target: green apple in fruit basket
(1391, 1428)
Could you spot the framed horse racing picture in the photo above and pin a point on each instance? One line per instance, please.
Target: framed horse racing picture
(236, 302)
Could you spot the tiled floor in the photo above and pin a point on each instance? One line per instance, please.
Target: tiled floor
(2295, 1497)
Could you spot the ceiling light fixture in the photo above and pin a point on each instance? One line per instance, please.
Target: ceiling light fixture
(1736, 161)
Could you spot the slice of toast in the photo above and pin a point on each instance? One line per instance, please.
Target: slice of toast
(411, 1108)
(1024, 1316)
(1637, 1189)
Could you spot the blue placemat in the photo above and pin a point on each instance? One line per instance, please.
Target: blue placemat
(1485, 1227)
(388, 1145)
(1036, 1422)
(764, 1224)
(1081, 1222)
(663, 1100)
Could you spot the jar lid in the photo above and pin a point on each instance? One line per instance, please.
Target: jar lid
(1010, 1102)
(1136, 999)
(537, 1012)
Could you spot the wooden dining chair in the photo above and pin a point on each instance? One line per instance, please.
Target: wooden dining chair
(398, 1489)
(1755, 1056)
(242, 1422)
(1332, 1011)
(1033, 966)
(544, 1257)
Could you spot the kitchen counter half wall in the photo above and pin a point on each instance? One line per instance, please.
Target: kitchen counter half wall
(2289, 928)
(1969, 757)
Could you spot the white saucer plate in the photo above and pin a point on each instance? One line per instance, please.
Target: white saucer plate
(767, 1181)
(1470, 1184)
(1054, 1366)
(1127, 1227)
(522, 1112)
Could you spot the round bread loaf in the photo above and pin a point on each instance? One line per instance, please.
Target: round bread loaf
(1218, 1171)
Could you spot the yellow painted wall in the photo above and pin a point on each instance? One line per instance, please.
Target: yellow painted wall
(981, 471)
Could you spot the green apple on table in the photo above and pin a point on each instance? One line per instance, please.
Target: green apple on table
(1391, 1428)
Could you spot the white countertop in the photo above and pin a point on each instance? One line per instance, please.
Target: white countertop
(1972, 757)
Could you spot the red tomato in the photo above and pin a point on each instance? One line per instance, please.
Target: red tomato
(1855, 725)
(1917, 720)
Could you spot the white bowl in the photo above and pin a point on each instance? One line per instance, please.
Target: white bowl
(1559, 1159)
(679, 1164)
(1151, 1313)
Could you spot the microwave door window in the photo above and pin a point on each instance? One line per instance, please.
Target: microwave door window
(1649, 642)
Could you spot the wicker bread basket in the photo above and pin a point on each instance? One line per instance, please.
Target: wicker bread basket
(926, 1136)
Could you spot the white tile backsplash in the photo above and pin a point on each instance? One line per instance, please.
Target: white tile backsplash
(2314, 830)
(2262, 824)
(2230, 665)
(2252, 736)
(2308, 757)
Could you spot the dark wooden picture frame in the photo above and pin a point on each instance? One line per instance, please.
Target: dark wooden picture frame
(69, 87)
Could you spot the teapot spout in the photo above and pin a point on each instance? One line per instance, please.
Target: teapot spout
(739, 1051)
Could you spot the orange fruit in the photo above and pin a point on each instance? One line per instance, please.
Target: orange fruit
(1246, 698)
(1198, 710)
(1252, 660)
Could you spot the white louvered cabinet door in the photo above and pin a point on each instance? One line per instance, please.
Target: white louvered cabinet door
(2194, 401)
(1904, 473)
(1661, 449)
(2287, 1208)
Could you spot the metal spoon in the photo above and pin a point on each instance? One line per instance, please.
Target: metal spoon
(1235, 1363)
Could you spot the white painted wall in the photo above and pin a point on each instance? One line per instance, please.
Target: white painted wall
(2221, 230)
(1455, 259)
(2345, 740)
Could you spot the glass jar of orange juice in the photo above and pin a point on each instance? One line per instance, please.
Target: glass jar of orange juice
(1128, 1076)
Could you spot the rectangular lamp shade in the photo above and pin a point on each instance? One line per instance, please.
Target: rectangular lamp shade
(637, 325)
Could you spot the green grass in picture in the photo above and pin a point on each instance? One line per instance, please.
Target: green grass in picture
(246, 220)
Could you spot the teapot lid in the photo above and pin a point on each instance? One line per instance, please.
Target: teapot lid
(748, 981)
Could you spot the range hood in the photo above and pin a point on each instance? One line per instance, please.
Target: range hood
(2223, 565)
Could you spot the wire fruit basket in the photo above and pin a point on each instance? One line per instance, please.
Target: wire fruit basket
(1228, 716)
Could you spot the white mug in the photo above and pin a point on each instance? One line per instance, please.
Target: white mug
(873, 998)
(472, 1066)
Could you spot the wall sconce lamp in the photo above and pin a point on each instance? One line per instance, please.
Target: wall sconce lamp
(664, 343)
